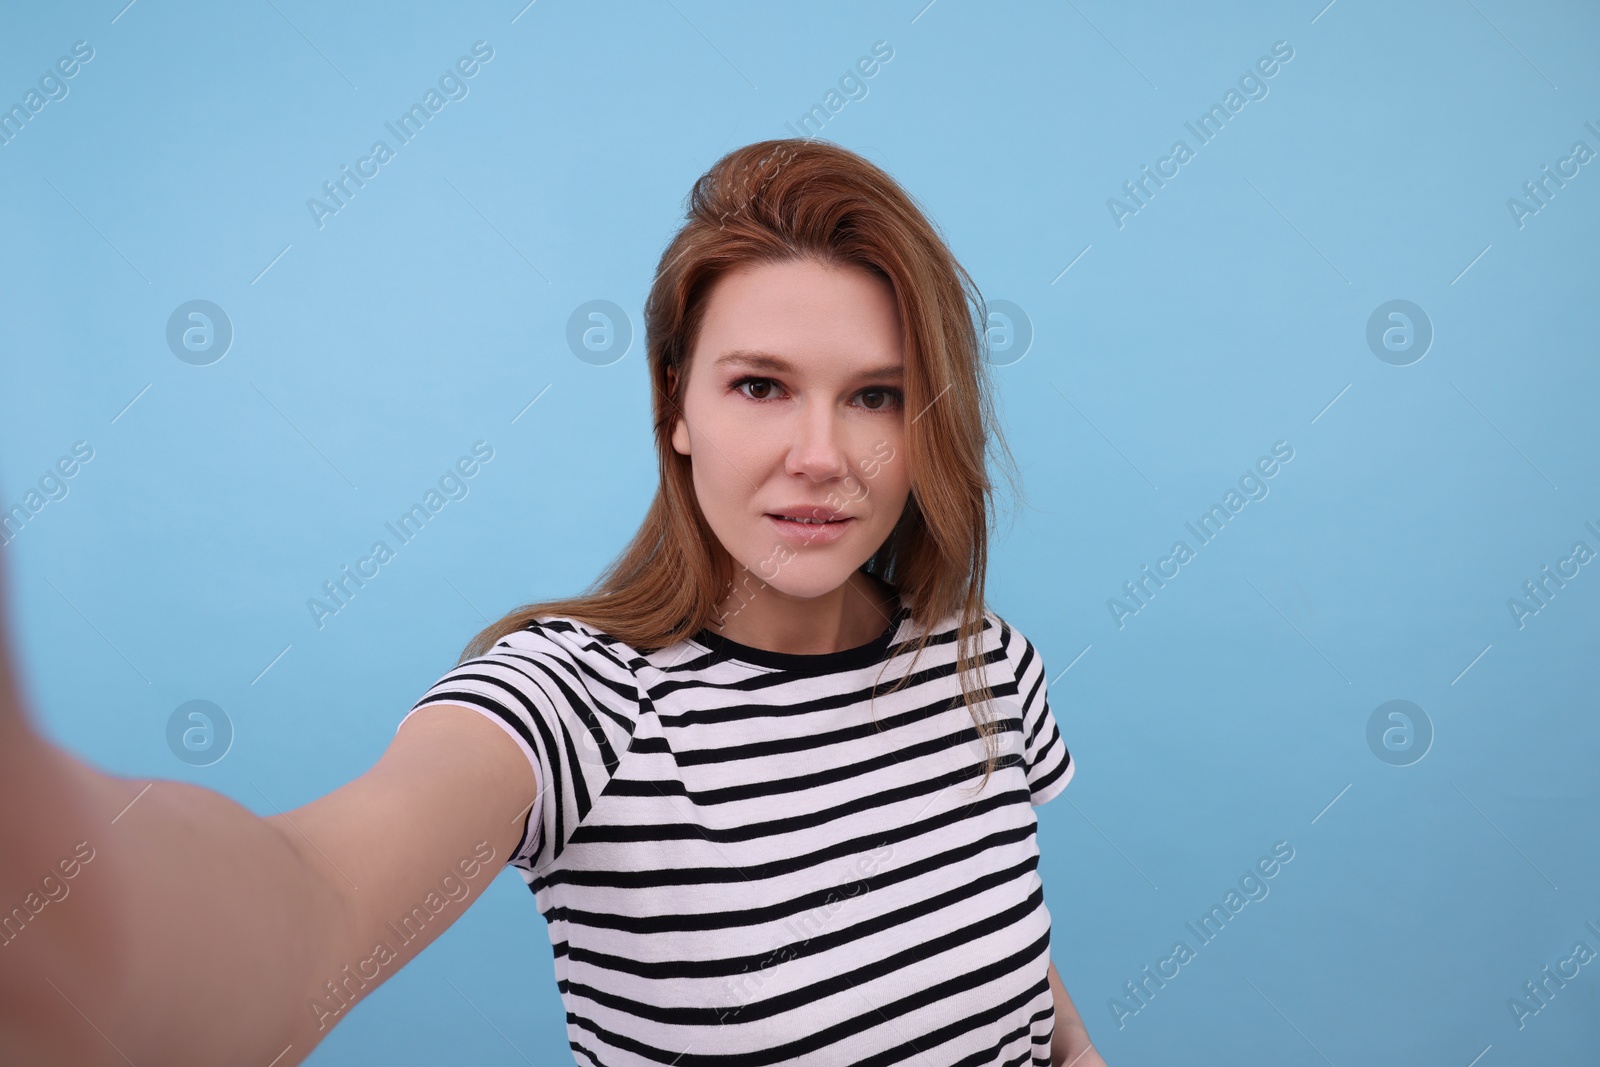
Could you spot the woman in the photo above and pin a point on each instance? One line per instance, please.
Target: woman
(771, 780)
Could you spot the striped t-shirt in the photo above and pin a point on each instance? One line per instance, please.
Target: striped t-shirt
(745, 858)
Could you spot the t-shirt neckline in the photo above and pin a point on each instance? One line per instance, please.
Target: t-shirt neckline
(725, 648)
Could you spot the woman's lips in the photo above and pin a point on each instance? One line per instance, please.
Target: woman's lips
(810, 533)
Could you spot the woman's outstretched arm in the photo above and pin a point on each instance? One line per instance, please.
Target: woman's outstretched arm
(158, 922)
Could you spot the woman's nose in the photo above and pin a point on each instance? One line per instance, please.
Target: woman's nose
(817, 450)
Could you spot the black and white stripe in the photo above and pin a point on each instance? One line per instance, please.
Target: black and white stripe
(745, 857)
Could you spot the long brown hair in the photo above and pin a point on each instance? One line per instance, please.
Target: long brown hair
(776, 201)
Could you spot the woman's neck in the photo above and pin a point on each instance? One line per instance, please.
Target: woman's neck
(850, 616)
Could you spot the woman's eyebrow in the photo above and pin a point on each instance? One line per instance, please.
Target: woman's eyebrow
(766, 361)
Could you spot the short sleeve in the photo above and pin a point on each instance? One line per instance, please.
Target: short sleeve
(1048, 763)
(565, 703)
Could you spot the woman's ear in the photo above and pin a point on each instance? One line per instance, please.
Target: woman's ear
(680, 427)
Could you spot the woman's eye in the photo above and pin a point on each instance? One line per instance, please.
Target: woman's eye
(887, 398)
(755, 383)
(766, 389)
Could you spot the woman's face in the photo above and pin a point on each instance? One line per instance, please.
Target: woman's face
(794, 408)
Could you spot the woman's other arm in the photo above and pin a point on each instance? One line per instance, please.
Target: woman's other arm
(1070, 1047)
(160, 922)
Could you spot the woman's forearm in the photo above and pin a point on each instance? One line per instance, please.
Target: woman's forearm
(165, 921)
(137, 917)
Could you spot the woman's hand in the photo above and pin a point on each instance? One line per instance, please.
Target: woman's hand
(1070, 1047)
(1088, 1057)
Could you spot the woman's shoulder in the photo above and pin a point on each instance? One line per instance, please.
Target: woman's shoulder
(570, 639)
(1019, 650)
(991, 623)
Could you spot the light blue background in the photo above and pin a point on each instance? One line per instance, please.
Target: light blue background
(1228, 314)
